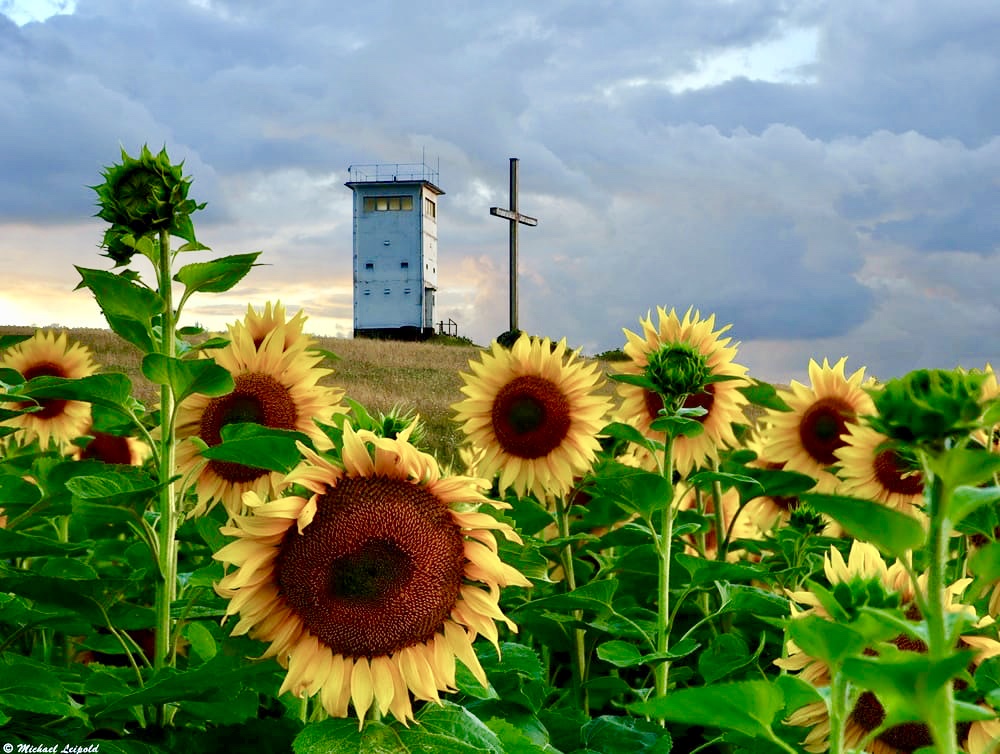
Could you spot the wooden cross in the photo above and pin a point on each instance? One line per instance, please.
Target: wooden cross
(514, 218)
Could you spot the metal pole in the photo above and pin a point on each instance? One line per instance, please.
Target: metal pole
(513, 244)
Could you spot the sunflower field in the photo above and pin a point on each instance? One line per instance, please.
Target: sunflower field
(691, 562)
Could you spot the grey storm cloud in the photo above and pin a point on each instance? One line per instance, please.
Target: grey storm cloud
(822, 209)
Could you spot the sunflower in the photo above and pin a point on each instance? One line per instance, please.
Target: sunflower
(45, 354)
(870, 470)
(270, 318)
(533, 413)
(722, 400)
(372, 587)
(864, 563)
(275, 386)
(806, 438)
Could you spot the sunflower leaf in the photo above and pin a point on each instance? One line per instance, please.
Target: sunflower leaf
(6, 341)
(187, 376)
(628, 433)
(965, 466)
(109, 390)
(965, 500)
(764, 395)
(258, 447)
(615, 734)
(677, 426)
(748, 707)
(639, 380)
(887, 529)
(128, 307)
(216, 276)
(705, 479)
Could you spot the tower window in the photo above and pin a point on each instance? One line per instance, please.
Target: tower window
(388, 203)
(430, 209)
(369, 265)
(406, 291)
(404, 265)
(388, 291)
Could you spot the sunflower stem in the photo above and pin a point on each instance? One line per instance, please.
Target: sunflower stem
(579, 654)
(166, 590)
(942, 724)
(662, 670)
(839, 689)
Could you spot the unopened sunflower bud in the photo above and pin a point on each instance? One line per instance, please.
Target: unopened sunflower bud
(677, 370)
(144, 196)
(929, 405)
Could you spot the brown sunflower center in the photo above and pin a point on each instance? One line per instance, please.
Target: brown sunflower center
(531, 416)
(821, 428)
(257, 398)
(704, 399)
(50, 407)
(379, 568)
(107, 448)
(894, 476)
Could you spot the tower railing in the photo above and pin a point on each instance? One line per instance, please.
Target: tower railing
(392, 171)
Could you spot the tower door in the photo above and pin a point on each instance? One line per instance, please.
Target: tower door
(429, 307)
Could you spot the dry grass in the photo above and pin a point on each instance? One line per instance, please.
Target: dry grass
(379, 374)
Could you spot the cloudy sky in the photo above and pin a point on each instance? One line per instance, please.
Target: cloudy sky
(822, 174)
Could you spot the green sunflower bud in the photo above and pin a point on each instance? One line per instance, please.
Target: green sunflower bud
(929, 405)
(144, 196)
(677, 370)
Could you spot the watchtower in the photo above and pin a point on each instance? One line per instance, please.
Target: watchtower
(395, 249)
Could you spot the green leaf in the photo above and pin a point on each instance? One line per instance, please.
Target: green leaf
(965, 500)
(210, 681)
(639, 380)
(798, 693)
(748, 707)
(889, 530)
(201, 640)
(677, 426)
(216, 276)
(965, 466)
(725, 654)
(705, 572)
(110, 390)
(10, 376)
(115, 488)
(825, 640)
(705, 480)
(187, 376)
(258, 447)
(628, 433)
(625, 735)
(621, 654)
(451, 721)
(14, 544)
(8, 340)
(128, 307)
(764, 395)
(516, 675)
(28, 686)
(595, 596)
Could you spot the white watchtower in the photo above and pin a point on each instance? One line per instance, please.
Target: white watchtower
(395, 249)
